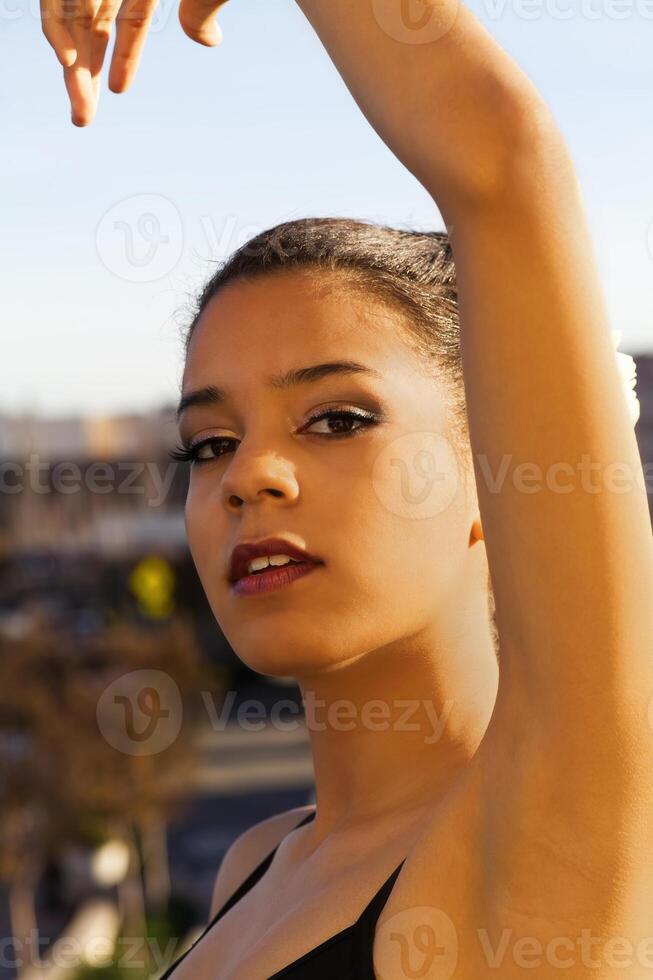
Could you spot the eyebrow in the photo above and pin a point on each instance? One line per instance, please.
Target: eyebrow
(211, 395)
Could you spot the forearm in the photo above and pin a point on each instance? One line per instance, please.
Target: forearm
(456, 109)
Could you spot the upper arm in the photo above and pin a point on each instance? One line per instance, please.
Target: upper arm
(248, 850)
(559, 478)
(564, 791)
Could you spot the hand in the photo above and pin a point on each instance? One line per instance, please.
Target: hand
(197, 18)
(79, 30)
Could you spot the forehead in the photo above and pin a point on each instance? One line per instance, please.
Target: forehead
(294, 317)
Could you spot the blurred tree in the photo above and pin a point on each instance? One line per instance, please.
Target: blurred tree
(72, 772)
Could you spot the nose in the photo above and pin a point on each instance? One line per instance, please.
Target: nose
(258, 476)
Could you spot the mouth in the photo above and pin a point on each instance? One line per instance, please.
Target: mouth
(269, 564)
(271, 579)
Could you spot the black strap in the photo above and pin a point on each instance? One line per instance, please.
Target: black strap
(257, 873)
(366, 925)
(248, 883)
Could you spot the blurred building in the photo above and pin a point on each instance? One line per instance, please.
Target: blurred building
(106, 486)
(99, 485)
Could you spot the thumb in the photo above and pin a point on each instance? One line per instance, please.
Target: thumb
(198, 20)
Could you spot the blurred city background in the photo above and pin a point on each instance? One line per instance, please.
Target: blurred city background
(99, 597)
(113, 824)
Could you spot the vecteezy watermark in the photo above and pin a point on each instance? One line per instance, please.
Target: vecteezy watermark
(66, 477)
(140, 713)
(425, 21)
(66, 952)
(130, 233)
(585, 474)
(231, 234)
(141, 238)
(417, 942)
(564, 952)
(416, 475)
(98, 951)
(342, 715)
(12, 10)
(415, 21)
(422, 941)
(565, 10)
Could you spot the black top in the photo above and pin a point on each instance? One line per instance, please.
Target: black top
(347, 955)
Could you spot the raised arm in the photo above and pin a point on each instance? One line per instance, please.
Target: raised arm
(441, 93)
(559, 476)
(571, 555)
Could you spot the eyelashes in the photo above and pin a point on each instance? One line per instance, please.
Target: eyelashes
(191, 455)
(364, 418)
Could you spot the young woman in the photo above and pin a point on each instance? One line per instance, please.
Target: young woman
(398, 434)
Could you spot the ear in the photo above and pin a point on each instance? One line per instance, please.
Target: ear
(476, 532)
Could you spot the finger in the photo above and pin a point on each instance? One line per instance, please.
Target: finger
(197, 18)
(57, 33)
(100, 33)
(78, 80)
(81, 93)
(132, 26)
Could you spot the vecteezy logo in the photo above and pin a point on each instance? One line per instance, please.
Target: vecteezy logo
(420, 942)
(140, 713)
(161, 15)
(416, 475)
(141, 238)
(415, 21)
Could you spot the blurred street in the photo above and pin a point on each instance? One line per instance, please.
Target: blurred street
(244, 777)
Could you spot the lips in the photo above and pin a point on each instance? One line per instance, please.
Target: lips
(245, 552)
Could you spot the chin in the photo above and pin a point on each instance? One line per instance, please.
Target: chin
(272, 665)
(283, 654)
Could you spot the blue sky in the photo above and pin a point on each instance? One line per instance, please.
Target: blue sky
(107, 231)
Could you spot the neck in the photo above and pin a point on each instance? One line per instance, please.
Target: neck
(391, 729)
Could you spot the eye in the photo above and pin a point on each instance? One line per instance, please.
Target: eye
(343, 418)
(219, 445)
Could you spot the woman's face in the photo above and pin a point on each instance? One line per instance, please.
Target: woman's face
(383, 505)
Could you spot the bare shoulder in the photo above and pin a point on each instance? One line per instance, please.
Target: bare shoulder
(512, 858)
(249, 849)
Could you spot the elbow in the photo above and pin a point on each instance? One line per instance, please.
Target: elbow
(538, 155)
(515, 157)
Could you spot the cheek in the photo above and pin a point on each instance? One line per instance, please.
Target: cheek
(205, 531)
(410, 564)
(398, 527)
(410, 555)
(416, 477)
